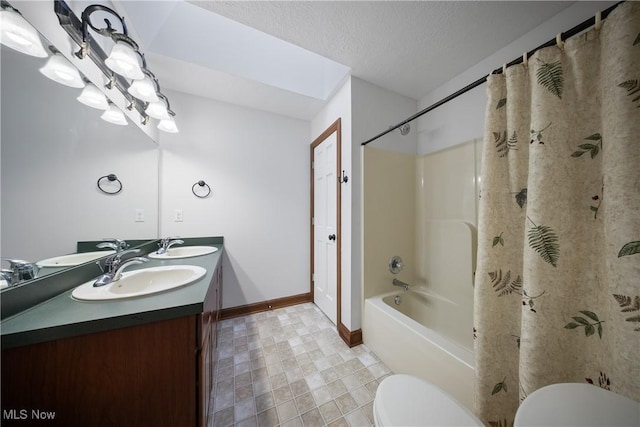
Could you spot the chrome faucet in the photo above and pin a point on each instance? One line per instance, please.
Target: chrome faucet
(18, 271)
(115, 244)
(167, 242)
(114, 265)
(401, 284)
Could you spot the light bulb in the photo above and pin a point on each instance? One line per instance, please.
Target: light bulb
(60, 70)
(157, 110)
(93, 97)
(123, 60)
(144, 90)
(114, 115)
(168, 125)
(18, 34)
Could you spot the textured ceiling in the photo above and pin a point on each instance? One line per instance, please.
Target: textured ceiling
(408, 47)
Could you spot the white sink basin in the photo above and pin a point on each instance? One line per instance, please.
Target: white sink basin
(184, 252)
(73, 259)
(137, 283)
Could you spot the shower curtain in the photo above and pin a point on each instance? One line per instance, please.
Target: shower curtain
(557, 288)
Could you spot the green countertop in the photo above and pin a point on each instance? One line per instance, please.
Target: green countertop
(63, 316)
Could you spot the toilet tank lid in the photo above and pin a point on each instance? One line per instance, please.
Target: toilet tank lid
(405, 400)
(576, 404)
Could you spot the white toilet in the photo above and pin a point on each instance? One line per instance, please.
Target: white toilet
(404, 400)
(576, 404)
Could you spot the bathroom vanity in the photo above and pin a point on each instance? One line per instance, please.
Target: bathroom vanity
(146, 361)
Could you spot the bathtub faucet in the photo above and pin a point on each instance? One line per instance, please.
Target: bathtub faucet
(401, 284)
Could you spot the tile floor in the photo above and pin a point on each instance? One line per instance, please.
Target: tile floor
(288, 367)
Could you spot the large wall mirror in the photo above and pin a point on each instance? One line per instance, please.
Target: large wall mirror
(53, 151)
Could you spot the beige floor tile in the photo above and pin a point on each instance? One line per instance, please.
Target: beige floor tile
(294, 422)
(312, 418)
(223, 418)
(340, 422)
(357, 419)
(264, 402)
(321, 395)
(287, 410)
(299, 387)
(282, 394)
(249, 422)
(268, 418)
(330, 411)
(305, 403)
(346, 403)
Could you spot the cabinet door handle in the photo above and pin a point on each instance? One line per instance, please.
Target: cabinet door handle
(332, 237)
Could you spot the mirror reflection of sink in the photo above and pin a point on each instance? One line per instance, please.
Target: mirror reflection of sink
(184, 252)
(137, 283)
(73, 259)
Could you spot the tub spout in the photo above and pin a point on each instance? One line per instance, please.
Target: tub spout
(401, 284)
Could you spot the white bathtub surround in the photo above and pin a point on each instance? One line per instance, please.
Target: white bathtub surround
(558, 262)
(288, 367)
(434, 233)
(409, 347)
(390, 206)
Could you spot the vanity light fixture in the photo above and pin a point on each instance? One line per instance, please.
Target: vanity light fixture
(18, 34)
(114, 115)
(125, 62)
(60, 70)
(93, 97)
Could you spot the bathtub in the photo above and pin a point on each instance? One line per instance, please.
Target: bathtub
(427, 336)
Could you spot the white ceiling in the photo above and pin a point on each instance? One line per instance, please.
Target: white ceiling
(408, 47)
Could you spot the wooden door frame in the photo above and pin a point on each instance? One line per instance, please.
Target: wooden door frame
(335, 127)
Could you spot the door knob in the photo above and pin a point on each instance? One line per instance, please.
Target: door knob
(332, 237)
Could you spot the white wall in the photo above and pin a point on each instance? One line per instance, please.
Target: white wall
(339, 106)
(462, 119)
(257, 165)
(362, 107)
(54, 149)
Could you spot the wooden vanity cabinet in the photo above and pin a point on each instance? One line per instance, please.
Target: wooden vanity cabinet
(154, 374)
(207, 337)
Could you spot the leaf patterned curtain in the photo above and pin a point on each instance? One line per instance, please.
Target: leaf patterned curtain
(557, 289)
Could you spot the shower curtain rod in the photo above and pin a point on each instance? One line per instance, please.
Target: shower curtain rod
(564, 36)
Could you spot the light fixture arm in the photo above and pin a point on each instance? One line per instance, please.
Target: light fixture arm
(166, 101)
(5, 5)
(108, 31)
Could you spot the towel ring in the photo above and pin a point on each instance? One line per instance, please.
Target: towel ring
(110, 178)
(203, 184)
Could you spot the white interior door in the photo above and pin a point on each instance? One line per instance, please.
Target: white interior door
(325, 237)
